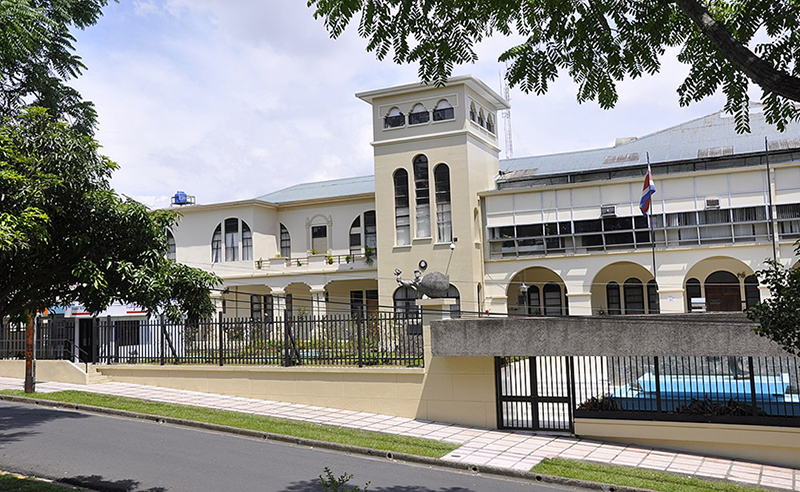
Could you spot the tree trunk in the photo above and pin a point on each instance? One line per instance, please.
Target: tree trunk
(30, 369)
(759, 71)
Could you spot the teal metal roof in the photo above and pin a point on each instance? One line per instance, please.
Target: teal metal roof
(713, 135)
(321, 190)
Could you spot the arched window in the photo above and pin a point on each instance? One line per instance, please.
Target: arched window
(394, 119)
(534, 301)
(402, 221)
(455, 309)
(355, 236)
(247, 242)
(423, 196)
(693, 291)
(490, 123)
(652, 298)
(171, 249)
(552, 299)
(216, 245)
(405, 302)
(226, 235)
(231, 239)
(472, 114)
(613, 300)
(752, 295)
(443, 111)
(634, 296)
(481, 119)
(365, 235)
(444, 227)
(286, 242)
(418, 115)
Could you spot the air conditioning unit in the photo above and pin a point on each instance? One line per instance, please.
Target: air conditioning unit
(712, 203)
(608, 211)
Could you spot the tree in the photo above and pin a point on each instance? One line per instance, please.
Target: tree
(65, 235)
(37, 57)
(726, 43)
(778, 317)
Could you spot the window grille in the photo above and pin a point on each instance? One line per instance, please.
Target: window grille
(418, 115)
(401, 208)
(444, 111)
(394, 119)
(286, 242)
(423, 198)
(444, 226)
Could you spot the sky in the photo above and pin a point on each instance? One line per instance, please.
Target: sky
(232, 99)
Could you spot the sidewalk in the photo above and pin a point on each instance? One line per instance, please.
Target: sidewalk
(507, 449)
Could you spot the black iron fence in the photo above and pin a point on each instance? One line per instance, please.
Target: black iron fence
(547, 392)
(711, 389)
(55, 340)
(376, 338)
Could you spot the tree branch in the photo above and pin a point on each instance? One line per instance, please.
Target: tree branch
(759, 71)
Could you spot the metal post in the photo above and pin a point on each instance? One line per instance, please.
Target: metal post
(286, 338)
(163, 337)
(95, 335)
(109, 331)
(752, 386)
(658, 384)
(359, 329)
(220, 332)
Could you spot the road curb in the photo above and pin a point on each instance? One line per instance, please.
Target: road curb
(347, 448)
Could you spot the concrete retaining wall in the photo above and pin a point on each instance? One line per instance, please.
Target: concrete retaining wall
(459, 390)
(61, 371)
(763, 444)
(662, 335)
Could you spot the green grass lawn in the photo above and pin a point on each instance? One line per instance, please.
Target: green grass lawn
(10, 483)
(635, 477)
(260, 423)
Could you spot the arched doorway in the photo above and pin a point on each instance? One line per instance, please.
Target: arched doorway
(537, 291)
(723, 292)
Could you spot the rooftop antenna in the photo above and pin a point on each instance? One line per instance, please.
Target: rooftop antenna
(507, 114)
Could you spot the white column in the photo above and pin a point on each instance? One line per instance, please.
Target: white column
(319, 307)
(278, 304)
(671, 300)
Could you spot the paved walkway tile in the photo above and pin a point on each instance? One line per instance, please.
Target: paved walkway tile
(508, 449)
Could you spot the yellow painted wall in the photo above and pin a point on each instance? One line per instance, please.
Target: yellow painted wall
(61, 371)
(764, 444)
(459, 390)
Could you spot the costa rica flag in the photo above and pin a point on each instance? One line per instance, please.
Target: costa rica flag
(648, 190)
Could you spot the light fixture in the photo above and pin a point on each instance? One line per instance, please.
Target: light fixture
(523, 288)
(452, 246)
(423, 264)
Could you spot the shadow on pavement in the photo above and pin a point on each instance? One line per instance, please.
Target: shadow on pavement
(314, 486)
(96, 482)
(15, 417)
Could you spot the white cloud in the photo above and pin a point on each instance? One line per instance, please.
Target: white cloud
(227, 99)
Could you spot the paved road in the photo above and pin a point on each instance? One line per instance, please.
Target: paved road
(129, 455)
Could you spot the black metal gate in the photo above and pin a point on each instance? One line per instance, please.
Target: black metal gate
(535, 393)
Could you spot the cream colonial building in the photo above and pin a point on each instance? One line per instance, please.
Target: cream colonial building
(553, 234)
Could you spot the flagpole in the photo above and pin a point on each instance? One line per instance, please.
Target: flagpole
(650, 224)
(769, 202)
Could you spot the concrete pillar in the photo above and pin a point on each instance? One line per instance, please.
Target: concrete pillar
(319, 307)
(278, 304)
(764, 291)
(497, 304)
(671, 300)
(432, 310)
(580, 303)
